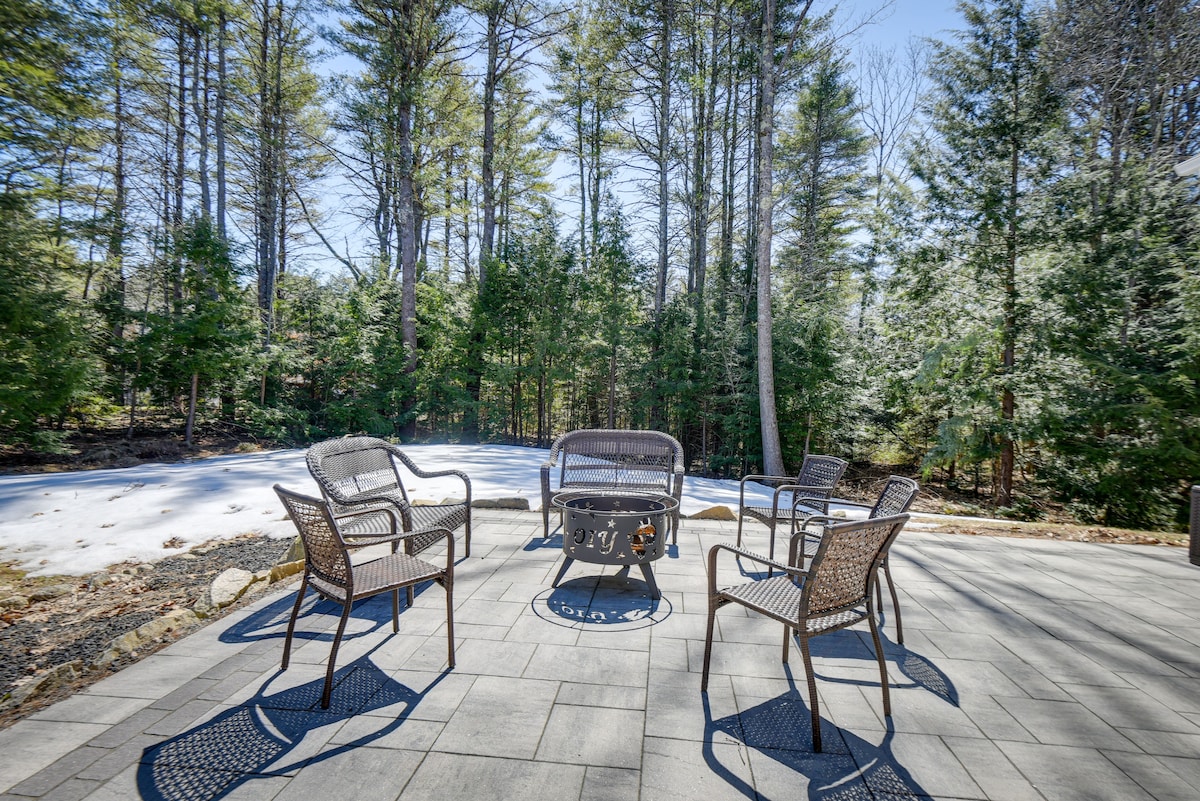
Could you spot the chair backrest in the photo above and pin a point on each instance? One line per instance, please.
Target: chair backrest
(898, 494)
(841, 572)
(819, 475)
(354, 467)
(324, 549)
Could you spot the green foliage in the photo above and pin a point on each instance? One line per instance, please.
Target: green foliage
(45, 363)
(44, 81)
(209, 328)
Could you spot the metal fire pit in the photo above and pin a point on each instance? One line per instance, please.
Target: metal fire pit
(615, 529)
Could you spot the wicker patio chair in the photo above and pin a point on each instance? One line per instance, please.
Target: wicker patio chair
(897, 495)
(329, 572)
(834, 592)
(807, 492)
(359, 473)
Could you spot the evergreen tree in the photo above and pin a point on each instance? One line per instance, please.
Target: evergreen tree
(1118, 433)
(995, 116)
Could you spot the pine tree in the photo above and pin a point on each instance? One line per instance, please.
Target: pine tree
(994, 114)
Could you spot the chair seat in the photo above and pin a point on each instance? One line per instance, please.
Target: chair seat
(779, 598)
(387, 572)
(376, 528)
(763, 513)
(370, 528)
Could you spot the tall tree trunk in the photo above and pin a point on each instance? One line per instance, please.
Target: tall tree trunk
(200, 115)
(772, 451)
(487, 173)
(1004, 488)
(663, 133)
(219, 122)
(191, 413)
(407, 229)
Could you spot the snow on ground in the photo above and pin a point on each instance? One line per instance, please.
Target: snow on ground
(80, 522)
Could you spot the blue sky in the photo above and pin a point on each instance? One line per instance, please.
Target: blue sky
(901, 19)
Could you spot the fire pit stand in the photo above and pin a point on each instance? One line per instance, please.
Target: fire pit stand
(615, 529)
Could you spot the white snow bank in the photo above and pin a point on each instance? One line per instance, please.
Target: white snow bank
(77, 523)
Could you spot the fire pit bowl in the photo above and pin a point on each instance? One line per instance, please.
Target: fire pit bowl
(615, 529)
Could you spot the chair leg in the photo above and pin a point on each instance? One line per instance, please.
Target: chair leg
(813, 706)
(337, 641)
(883, 678)
(739, 531)
(887, 572)
(467, 538)
(771, 548)
(708, 637)
(787, 635)
(287, 642)
(408, 595)
(395, 610)
(450, 620)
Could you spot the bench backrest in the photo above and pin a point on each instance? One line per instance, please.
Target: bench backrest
(622, 459)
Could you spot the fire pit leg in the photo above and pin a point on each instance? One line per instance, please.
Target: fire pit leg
(562, 571)
(649, 575)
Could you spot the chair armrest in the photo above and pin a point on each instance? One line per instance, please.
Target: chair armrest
(376, 500)
(442, 533)
(797, 498)
(742, 485)
(823, 519)
(397, 535)
(799, 538)
(419, 473)
(746, 554)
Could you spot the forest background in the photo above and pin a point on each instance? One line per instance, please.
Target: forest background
(498, 220)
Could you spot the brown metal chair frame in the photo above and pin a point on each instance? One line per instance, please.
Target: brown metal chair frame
(895, 498)
(812, 489)
(360, 473)
(835, 591)
(329, 572)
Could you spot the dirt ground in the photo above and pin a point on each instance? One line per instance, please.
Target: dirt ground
(71, 619)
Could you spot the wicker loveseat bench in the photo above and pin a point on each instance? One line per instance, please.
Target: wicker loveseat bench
(614, 461)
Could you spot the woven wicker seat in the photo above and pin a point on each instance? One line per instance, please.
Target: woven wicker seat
(615, 461)
(897, 495)
(806, 494)
(328, 570)
(833, 593)
(360, 473)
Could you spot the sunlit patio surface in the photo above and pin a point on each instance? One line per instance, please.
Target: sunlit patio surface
(1030, 669)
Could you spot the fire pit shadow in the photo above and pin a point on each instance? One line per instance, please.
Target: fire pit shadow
(601, 603)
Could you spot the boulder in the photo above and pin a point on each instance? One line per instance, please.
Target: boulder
(229, 586)
(515, 504)
(715, 513)
(51, 592)
(145, 634)
(284, 570)
(58, 675)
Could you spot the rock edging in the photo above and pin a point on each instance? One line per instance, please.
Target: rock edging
(224, 591)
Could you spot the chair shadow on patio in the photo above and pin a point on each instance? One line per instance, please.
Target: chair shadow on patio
(270, 622)
(918, 669)
(255, 739)
(849, 769)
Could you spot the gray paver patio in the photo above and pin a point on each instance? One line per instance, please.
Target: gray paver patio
(1032, 670)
